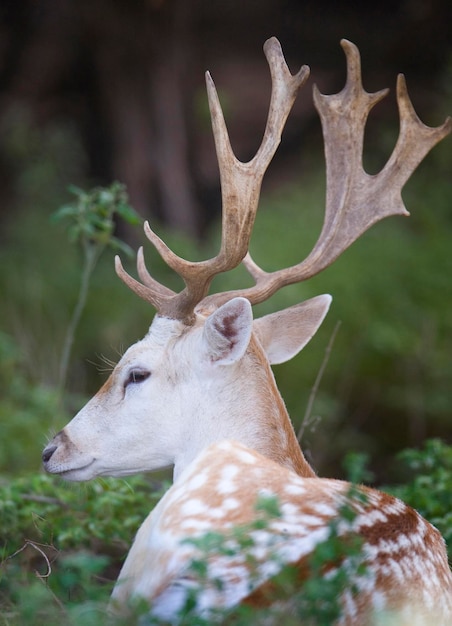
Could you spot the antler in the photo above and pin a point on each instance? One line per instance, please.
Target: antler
(355, 200)
(240, 187)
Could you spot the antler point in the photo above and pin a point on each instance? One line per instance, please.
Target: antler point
(327, 299)
(401, 82)
(271, 43)
(119, 269)
(349, 46)
(149, 232)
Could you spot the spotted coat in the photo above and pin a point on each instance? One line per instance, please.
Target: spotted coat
(407, 569)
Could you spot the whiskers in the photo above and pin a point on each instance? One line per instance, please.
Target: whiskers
(104, 364)
(52, 431)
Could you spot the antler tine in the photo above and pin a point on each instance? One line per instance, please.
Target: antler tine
(151, 291)
(240, 189)
(415, 138)
(355, 200)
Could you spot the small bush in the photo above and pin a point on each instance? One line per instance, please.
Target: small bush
(62, 545)
(429, 484)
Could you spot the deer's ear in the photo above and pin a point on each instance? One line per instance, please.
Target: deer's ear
(227, 332)
(285, 333)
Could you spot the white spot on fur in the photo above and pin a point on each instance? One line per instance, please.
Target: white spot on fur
(324, 509)
(196, 523)
(289, 510)
(370, 518)
(197, 481)
(227, 484)
(217, 512)
(245, 457)
(194, 506)
(230, 504)
(294, 490)
(396, 507)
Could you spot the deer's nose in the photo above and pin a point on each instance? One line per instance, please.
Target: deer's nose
(47, 454)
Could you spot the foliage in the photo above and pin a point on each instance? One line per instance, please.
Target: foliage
(61, 545)
(42, 508)
(428, 488)
(91, 218)
(91, 225)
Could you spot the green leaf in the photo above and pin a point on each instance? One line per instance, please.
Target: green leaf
(128, 214)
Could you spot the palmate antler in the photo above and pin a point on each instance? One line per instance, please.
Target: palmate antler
(355, 200)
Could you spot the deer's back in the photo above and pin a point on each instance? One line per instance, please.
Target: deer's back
(244, 517)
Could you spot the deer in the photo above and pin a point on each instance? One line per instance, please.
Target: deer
(198, 394)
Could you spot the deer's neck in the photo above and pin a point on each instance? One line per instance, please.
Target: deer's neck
(248, 409)
(276, 437)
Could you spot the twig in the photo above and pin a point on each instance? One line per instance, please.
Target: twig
(42, 577)
(91, 254)
(38, 547)
(307, 415)
(44, 499)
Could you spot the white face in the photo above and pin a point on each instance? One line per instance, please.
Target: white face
(129, 426)
(157, 400)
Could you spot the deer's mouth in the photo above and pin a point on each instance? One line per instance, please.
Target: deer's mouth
(82, 471)
(62, 457)
(93, 469)
(77, 474)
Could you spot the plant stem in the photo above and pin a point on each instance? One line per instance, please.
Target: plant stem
(307, 415)
(91, 254)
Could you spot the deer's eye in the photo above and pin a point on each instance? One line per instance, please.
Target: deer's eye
(136, 376)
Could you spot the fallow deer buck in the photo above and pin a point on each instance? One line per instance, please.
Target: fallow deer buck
(198, 392)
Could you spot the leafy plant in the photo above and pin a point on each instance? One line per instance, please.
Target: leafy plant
(61, 547)
(101, 515)
(429, 487)
(91, 225)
